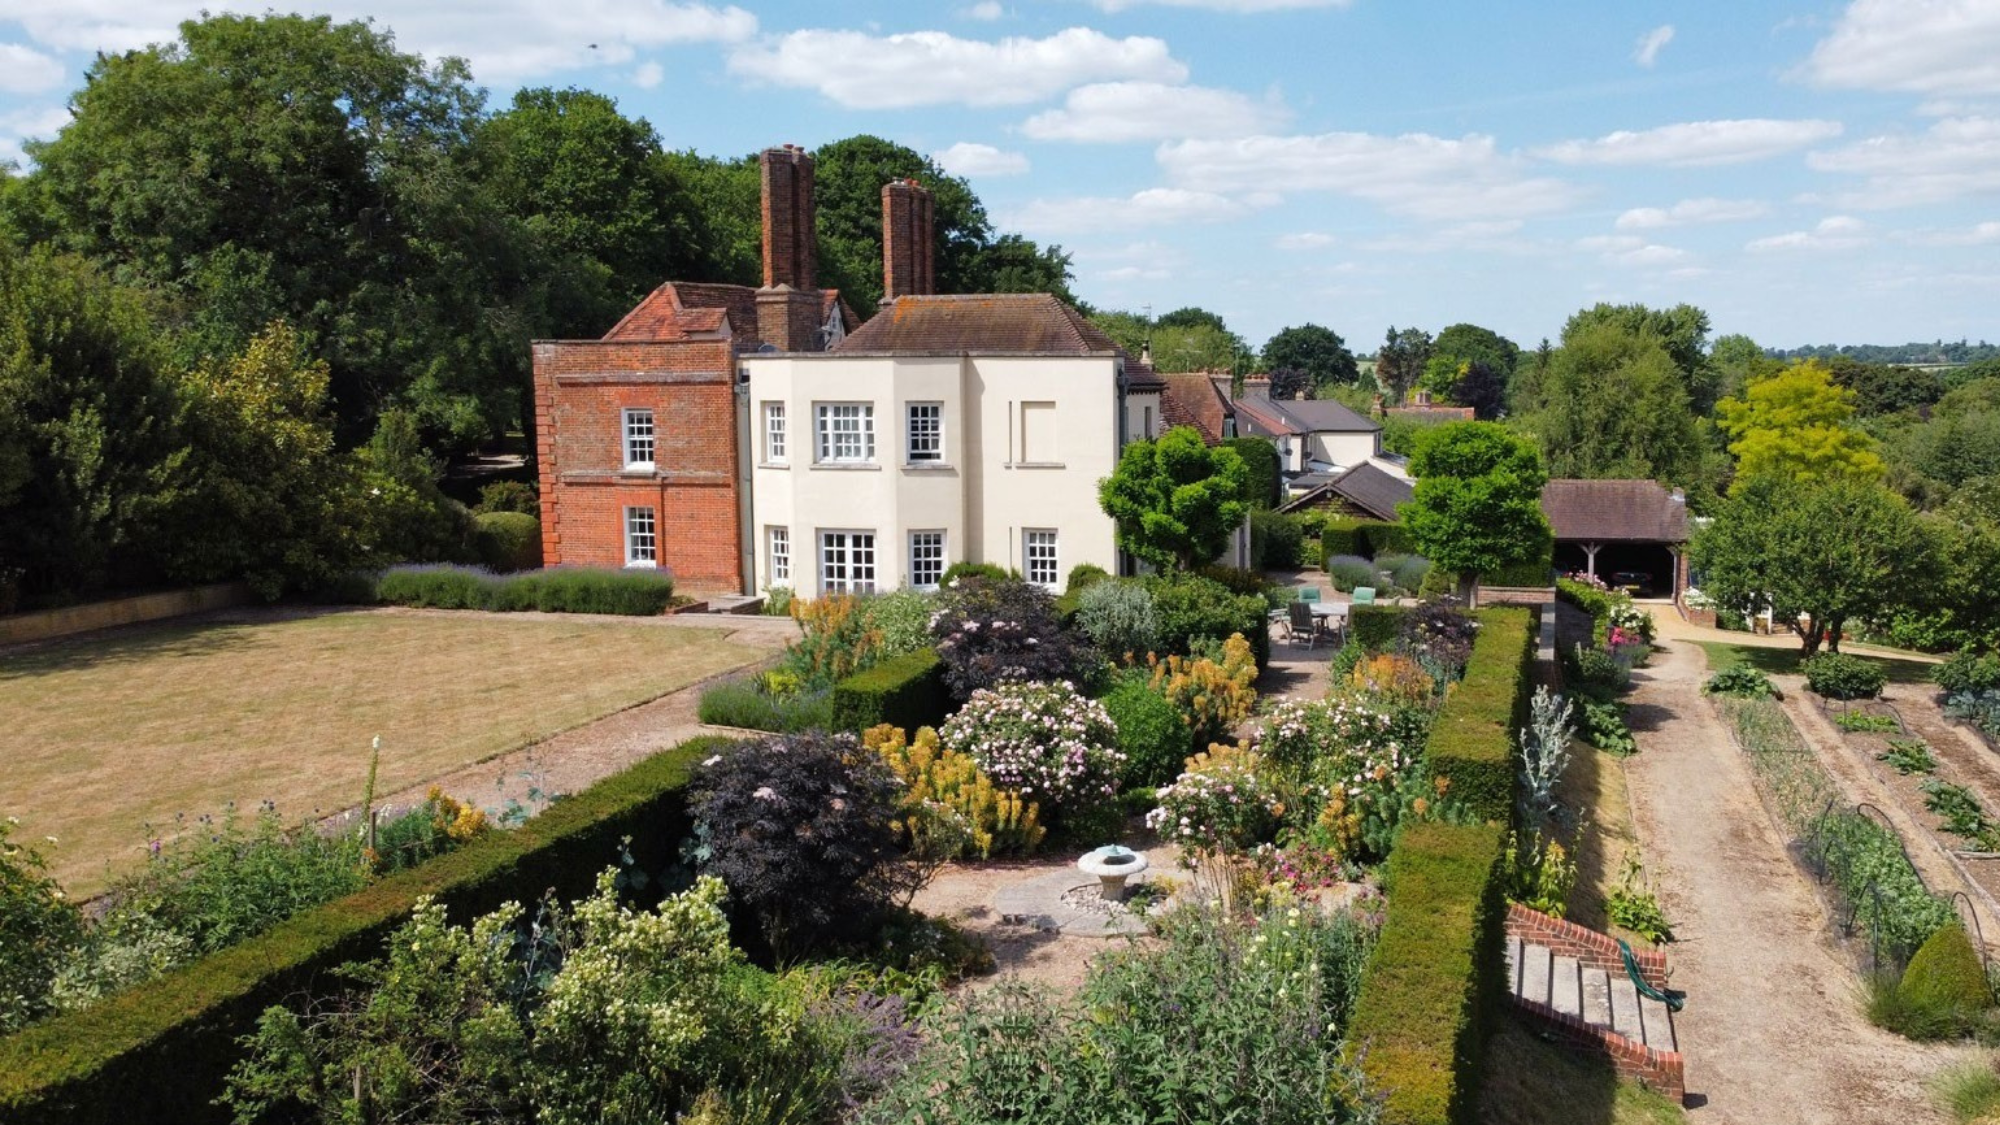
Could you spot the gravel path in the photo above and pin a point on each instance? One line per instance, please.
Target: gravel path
(1773, 1030)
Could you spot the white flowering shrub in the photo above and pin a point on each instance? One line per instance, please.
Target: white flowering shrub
(1044, 740)
(1295, 735)
(1222, 805)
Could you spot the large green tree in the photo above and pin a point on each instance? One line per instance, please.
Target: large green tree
(1818, 553)
(1317, 351)
(605, 211)
(1176, 501)
(1400, 363)
(1681, 330)
(1478, 501)
(85, 419)
(289, 167)
(1797, 423)
(1469, 343)
(1611, 404)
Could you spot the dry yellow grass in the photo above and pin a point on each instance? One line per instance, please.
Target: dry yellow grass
(101, 736)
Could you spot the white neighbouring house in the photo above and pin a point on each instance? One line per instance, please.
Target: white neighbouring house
(945, 429)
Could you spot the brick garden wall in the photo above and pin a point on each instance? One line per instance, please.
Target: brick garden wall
(1664, 1071)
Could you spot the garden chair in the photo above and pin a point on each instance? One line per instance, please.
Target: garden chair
(1308, 594)
(1300, 619)
(1364, 595)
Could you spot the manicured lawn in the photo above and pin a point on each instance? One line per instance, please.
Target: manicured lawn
(1785, 661)
(102, 736)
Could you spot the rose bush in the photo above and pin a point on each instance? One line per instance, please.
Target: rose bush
(1046, 742)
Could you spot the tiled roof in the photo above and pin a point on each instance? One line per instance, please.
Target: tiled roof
(983, 324)
(1432, 415)
(1302, 416)
(1366, 486)
(1192, 399)
(1140, 376)
(663, 315)
(1614, 511)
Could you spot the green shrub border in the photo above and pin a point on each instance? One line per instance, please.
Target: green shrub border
(160, 1052)
(1472, 738)
(1421, 1020)
(906, 691)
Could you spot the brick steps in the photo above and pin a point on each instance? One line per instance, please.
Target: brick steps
(1572, 981)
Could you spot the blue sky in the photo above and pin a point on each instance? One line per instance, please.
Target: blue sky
(1808, 173)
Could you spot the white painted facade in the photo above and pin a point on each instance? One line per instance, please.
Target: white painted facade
(1001, 466)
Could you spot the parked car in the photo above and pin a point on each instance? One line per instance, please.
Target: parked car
(1634, 582)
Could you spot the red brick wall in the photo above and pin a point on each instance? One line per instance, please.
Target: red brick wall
(1590, 948)
(1664, 1071)
(581, 390)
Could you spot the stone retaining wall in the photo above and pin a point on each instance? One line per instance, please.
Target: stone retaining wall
(51, 623)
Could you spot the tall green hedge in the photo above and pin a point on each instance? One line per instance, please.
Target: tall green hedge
(1367, 538)
(1472, 738)
(160, 1052)
(1422, 1017)
(906, 691)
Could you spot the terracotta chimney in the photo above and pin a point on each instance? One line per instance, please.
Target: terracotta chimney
(909, 248)
(790, 257)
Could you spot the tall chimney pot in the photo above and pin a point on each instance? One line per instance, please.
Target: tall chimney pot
(909, 247)
(790, 254)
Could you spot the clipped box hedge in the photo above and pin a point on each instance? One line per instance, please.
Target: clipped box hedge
(1423, 1014)
(160, 1052)
(1366, 538)
(1472, 738)
(906, 691)
(1374, 627)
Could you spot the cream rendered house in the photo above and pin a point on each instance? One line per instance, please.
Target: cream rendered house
(946, 429)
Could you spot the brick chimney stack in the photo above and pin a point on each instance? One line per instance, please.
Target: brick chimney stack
(909, 246)
(790, 257)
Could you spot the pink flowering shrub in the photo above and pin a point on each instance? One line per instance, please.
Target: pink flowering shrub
(1294, 735)
(992, 632)
(1222, 805)
(1045, 741)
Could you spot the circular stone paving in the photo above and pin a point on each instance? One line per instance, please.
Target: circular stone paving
(1071, 903)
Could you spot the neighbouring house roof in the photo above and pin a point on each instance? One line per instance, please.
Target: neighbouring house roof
(1368, 487)
(982, 324)
(1275, 418)
(1629, 511)
(1192, 399)
(1433, 415)
(1140, 376)
(666, 311)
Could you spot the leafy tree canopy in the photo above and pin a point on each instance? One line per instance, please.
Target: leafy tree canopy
(1796, 424)
(1197, 347)
(1681, 330)
(1737, 360)
(1478, 502)
(1317, 351)
(1176, 501)
(1192, 317)
(1400, 363)
(1880, 388)
(1612, 405)
(1788, 544)
(1469, 343)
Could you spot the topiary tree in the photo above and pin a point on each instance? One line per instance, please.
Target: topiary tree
(1478, 502)
(1945, 989)
(1176, 501)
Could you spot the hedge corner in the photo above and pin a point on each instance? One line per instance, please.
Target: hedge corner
(906, 691)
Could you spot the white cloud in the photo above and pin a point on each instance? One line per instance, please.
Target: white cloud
(1954, 158)
(1835, 232)
(1304, 240)
(862, 71)
(649, 75)
(18, 126)
(1979, 234)
(1694, 143)
(26, 71)
(1241, 7)
(1108, 112)
(985, 11)
(1690, 211)
(1414, 174)
(1150, 208)
(1497, 235)
(1921, 46)
(1629, 250)
(1650, 44)
(969, 159)
(503, 39)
